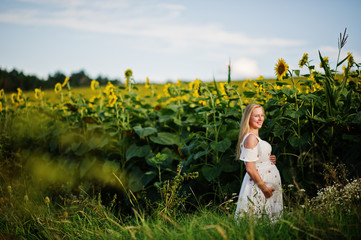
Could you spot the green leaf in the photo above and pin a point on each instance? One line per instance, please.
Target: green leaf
(216, 124)
(309, 96)
(297, 72)
(288, 91)
(137, 180)
(200, 153)
(221, 146)
(165, 138)
(249, 94)
(136, 151)
(143, 132)
(211, 173)
(357, 118)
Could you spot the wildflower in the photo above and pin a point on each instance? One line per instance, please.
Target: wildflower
(38, 94)
(304, 60)
(325, 59)
(65, 82)
(26, 198)
(290, 185)
(58, 88)
(128, 73)
(47, 200)
(94, 85)
(350, 59)
(281, 69)
(2, 94)
(147, 84)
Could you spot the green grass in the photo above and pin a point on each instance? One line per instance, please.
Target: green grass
(90, 219)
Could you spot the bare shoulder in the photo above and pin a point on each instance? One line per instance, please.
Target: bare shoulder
(251, 141)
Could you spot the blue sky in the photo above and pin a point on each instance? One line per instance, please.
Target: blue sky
(169, 40)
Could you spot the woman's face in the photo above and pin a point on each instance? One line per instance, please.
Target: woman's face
(256, 119)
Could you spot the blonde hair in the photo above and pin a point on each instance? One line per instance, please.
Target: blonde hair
(244, 126)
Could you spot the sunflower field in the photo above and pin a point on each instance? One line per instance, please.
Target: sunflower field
(139, 147)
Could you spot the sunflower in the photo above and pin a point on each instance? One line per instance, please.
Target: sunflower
(94, 85)
(65, 82)
(57, 88)
(14, 99)
(1, 107)
(112, 100)
(222, 88)
(147, 84)
(281, 69)
(38, 93)
(2, 94)
(325, 59)
(304, 60)
(128, 73)
(179, 83)
(350, 59)
(109, 88)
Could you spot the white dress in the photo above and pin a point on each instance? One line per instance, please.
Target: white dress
(251, 198)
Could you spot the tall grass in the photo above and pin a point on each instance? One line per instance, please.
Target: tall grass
(31, 216)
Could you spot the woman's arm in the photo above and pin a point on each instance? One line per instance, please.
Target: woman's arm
(252, 172)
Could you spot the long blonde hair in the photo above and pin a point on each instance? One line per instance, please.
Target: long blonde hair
(244, 126)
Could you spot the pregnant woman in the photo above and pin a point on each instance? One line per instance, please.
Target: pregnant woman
(261, 191)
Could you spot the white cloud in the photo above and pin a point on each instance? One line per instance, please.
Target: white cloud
(245, 68)
(155, 21)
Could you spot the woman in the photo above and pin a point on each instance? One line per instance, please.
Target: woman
(261, 191)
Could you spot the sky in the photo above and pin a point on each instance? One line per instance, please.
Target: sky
(167, 40)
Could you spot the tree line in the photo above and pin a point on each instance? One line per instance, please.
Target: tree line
(11, 80)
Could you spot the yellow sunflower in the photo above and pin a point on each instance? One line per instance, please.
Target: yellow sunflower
(222, 88)
(128, 73)
(281, 69)
(94, 85)
(304, 60)
(65, 82)
(109, 88)
(14, 97)
(147, 84)
(112, 100)
(58, 88)
(1, 107)
(350, 59)
(38, 93)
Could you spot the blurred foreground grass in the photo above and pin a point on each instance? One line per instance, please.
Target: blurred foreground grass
(333, 214)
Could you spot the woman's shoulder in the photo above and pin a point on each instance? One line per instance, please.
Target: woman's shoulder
(250, 141)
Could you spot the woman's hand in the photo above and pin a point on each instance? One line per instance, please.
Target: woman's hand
(267, 191)
(273, 159)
